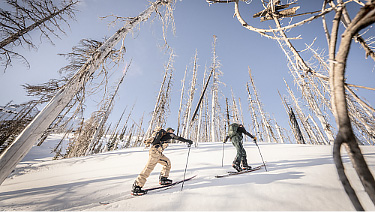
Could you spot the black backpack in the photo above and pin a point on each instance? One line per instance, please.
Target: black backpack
(232, 129)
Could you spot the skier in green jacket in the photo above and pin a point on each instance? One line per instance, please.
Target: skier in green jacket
(235, 132)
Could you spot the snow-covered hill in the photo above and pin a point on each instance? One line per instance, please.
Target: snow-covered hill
(299, 177)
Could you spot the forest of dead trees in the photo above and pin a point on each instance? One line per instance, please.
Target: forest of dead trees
(204, 112)
(307, 124)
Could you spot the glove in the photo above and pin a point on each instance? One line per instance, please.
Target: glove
(255, 139)
(190, 142)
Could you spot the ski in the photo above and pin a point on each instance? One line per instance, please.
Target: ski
(247, 170)
(241, 172)
(166, 186)
(156, 189)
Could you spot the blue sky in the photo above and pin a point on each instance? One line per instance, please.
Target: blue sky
(196, 22)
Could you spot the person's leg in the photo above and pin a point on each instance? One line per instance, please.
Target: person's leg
(237, 160)
(164, 174)
(154, 156)
(245, 164)
(243, 155)
(166, 163)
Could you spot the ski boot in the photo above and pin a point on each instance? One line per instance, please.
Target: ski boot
(164, 181)
(237, 167)
(245, 166)
(137, 190)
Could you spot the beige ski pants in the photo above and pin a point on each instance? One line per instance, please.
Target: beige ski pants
(155, 156)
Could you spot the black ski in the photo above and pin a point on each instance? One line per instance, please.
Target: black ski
(241, 172)
(167, 186)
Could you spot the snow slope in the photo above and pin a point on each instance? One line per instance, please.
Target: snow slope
(299, 177)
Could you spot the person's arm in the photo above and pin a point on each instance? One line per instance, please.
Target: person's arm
(226, 138)
(173, 136)
(169, 136)
(251, 136)
(243, 130)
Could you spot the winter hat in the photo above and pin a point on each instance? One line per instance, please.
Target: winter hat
(170, 128)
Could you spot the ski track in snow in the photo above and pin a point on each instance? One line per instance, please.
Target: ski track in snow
(299, 177)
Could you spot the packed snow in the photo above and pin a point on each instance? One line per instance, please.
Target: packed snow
(298, 177)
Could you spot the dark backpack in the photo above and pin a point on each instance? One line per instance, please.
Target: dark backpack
(151, 139)
(232, 129)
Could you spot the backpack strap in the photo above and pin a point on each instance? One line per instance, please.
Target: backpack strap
(158, 136)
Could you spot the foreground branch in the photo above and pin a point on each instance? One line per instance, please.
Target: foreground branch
(364, 18)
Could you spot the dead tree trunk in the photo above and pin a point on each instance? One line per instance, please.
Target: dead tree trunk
(265, 124)
(235, 109)
(306, 91)
(200, 106)
(293, 123)
(113, 141)
(345, 136)
(94, 140)
(241, 116)
(254, 118)
(189, 104)
(203, 104)
(306, 125)
(279, 132)
(215, 92)
(240, 112)
(157, 118)
(227, 113)
(181, 101)
(296, 130)
(155, 111)
(125, 127)
(127, 144)
(139, 137)
(159, 114)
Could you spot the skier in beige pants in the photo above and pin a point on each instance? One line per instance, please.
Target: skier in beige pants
(156, 156)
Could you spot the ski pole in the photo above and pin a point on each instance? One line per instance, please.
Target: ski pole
(265, 167)
(187, 160)
(222, 158)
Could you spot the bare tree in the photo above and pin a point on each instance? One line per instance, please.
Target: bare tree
(140, 133)
(265, 124)
(235, 111)
(25, 140)
(189, 104)
(161, 108)
(27, 16)
(302, 117)
(88, 138)
(345, 136)
(215, 106)
(104, 114)
(125, 128)
(254, 119)
(15, 122)
(202, 106)
(181, 102)
(46, 91)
